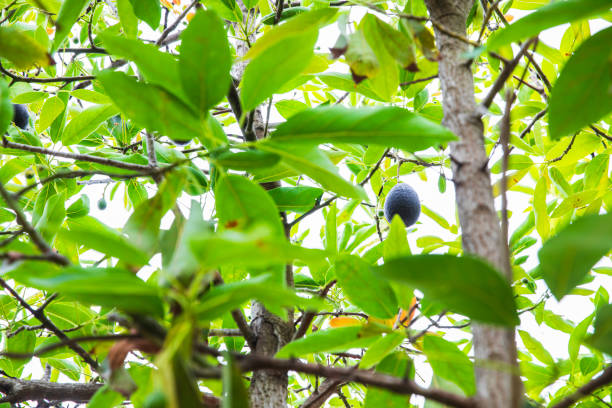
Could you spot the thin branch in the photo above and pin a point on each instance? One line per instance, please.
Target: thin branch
(566, 151)
(309, 315)
(604, 379)
(312, 210)
(225, 333)
(404, 385)
(487, 17)
(505, 74)
(323, 392)
(600, 133)
(17, 78)
(504, 138)
(172, 27)
(36, 238)
(49, 325)
(75, 156)
(416, 81)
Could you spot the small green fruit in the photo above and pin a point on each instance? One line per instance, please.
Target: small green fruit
(102, 204)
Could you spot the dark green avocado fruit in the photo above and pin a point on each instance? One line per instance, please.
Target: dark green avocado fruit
(20, 116)
(403, 201)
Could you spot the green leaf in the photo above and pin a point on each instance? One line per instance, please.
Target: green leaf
(340, 339)
(235, 394)
(21, 50)
(387, 126)
(205, 61)
(264, 288)
(127, 18)
(274, 67)
(536, 348)
(567, 258)
(577, 337)
(86, 122)
(105, 398)
(551, 15)
(154, 108)
(399, 365)
(386, 81)
(254, 248)
(79, 208)
(363, 61)
(107, 287)
(581, 95)
(68, 15)
(148, 11)
(380, 349)
(542, 222)
(602, 337)
(6, 107)
(463, 285)
(396, 242)
(247, 160)
(450, 363)
(52, 217)
(242, 204)
(312, 162)
(297, 199)
(143, 225)
(52, 108)
(157, 67)
(93, 234)
(364, 289)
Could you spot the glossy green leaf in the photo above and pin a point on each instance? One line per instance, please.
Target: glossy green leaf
(79, 208)
(536, 348)
(52, 216)
(313, 162)
(567, 258)
(602, 336)
(129, 21)
(242, 204)
(253, 248)
(52, 108)
(222, 299)
(340, 339)
(396, 242)
(93, 234)
(577, 337)
(463, 285)
(21, 49)
(450, 363)
(274, 67)
(157, 67)
(205, 61)
(386, 81)
(550, 15)
(297, 199)
(108, 287)
(398, 365)
(143, 225)
(246, 160)
(148, 11)
(386, 126)
(154, 108)
(105, 398)
(86, 122)
(364, 289)
(542, 222)
(6, 107)
(380, 349)
(581, 94)
(68, 15)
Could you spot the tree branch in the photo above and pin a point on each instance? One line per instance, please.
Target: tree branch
(18, 78)
(75, 156)
(309, 315)
(505, 74)
(604, 379)
(17, 390)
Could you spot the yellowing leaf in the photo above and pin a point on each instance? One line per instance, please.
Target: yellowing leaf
(344, 321)
(22, 50)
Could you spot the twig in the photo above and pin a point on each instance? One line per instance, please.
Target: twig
(503, 76)
(486, 19)
(75, 156)
(604, 379)
(416, 81)
(172, 27)
(49, 325)
(36, 238)
(17, 78)
(309, 315)
(225, 332)
(16, 391)
(566, 151)
(504, 138)
(322, 393)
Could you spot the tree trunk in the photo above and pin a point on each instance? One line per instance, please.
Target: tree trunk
(498, 386)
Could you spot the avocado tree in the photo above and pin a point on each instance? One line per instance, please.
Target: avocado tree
(213, 203)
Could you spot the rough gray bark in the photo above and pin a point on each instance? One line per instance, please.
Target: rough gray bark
(494, 348)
